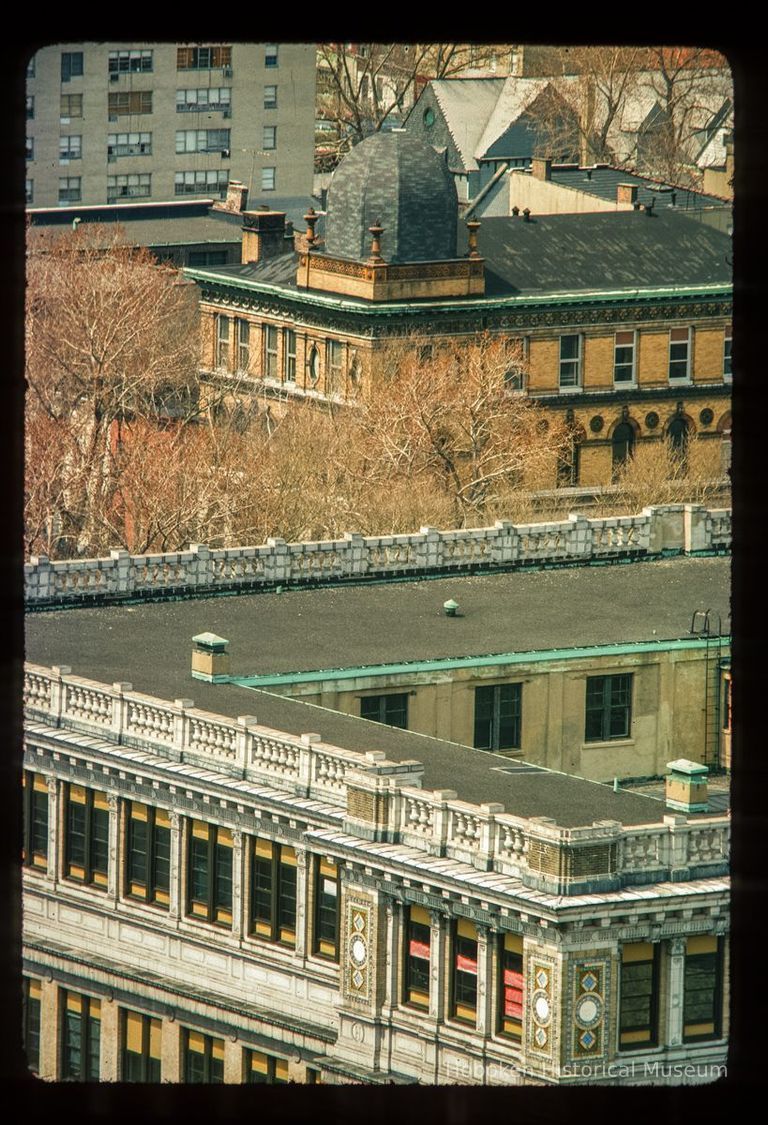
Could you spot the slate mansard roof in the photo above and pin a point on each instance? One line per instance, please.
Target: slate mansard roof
(399, 181)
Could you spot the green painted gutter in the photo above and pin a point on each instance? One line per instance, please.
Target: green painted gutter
(504, 658)
(385, 308)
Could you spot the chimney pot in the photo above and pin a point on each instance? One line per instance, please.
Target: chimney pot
(527, 214)
(515, 210)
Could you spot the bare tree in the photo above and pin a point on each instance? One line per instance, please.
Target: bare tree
(111, 337)
(360, 85)
(689, 86)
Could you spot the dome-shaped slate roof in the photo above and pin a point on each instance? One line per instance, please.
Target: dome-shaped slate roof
(400, 180)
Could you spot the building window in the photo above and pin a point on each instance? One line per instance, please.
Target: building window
(71, 65)
(677, 436)
(204, 98)
(32, 1007)
(129, 62)
(727, 340)
(80, 1037)
(71, 105)
(213, 182)
(222, 343)
(511, 986)
(273, 891)
(86, 839)
(243, 344)
(69, 189)
(569, 459)
(35, 821)
(129, 101)
(570, 361)
(258, 1067)
(334, 363)
(679, 354)
(417, 950)
(622, 447)
(268, 179)
(498, 716)
(140, 1047)
(289, 354)
(270, 54)
(624, 357)
(136, 185)
(129, 144)
(148, 853)
(31, 68)
(326, 928)
(29, 148)
(702, 989)
(203, 140)
(269, 138)
(71, 148)
(609, 707)
(638, 996)
(270, 97)
(209, 881)
(30, 107)
(29, 190)
(313, 364)
(464, 971)
(202, 1057)
(203, 58)
(270, 351)
(389, 709)
(517, 358)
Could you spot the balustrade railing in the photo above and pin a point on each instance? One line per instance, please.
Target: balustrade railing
(683, 528)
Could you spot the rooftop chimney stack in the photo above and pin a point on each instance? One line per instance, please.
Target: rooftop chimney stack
(541, 168)
(236, 199)
(263, 235)
(686, 787)
(210, 659)
(626, 194)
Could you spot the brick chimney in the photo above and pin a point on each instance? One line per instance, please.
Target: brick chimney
(686, 787)
(541, 168)
(210, 659)
(236, 200)
(264, 235)
(626, 194)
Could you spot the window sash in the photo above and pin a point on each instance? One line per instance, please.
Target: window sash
(203, 1057)
(464, 978)
(268, 179)
(326, 929)
(71, 105)
(498, 716)
(510, 989)
(148, 854)
(71, 65)
(417, 958)
(140, 1038)
(727, 343)
(80, 1037)
(679, 353)
(289, 354)
(86, 843)
(128, 102)
(124, 62)
(624, 357)
(702, 994)
(270, 97)
(35, 821)
(209, 873)
(392, 710)
(203, 58)
(608, 707)
(638, 1001)
(270, 351)
(266, 1069)
(32, 1010)
(570, 360)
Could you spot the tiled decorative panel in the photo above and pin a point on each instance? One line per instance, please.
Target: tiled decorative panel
(359, 949)
(588, 990)
(541, 1016)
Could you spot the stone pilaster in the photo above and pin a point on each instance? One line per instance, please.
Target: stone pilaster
(177, 855)
(484, 981)
(437, 964)
(675, 989)
(53, 872)
(49, 1029)
(113, 875)
(233, 1060)
(238, 897)
(109, 1043)
(301, 902)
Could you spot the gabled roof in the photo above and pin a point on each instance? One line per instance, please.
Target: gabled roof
(516, 96)
(466, 105)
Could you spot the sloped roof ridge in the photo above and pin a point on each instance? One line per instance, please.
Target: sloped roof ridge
(441, 86)
(508, 108)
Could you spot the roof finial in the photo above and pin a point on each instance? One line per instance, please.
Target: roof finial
(376, 230)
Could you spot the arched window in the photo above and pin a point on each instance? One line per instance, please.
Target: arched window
(623, 445)
(568, 460)
(677, 436)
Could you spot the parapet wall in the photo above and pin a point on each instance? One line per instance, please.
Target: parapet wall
(671, 529)
(602, 856)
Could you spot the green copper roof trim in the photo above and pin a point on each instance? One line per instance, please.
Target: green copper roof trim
(385, 308)
(446, 663)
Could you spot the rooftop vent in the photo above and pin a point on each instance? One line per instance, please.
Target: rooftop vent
(686, 787)
(451, 608)
(210, 659)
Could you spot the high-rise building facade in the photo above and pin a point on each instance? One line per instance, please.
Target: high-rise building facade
(112, 122)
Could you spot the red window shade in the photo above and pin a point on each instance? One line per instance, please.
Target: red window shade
(466, 964)
(419, 949)
(513, 993)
